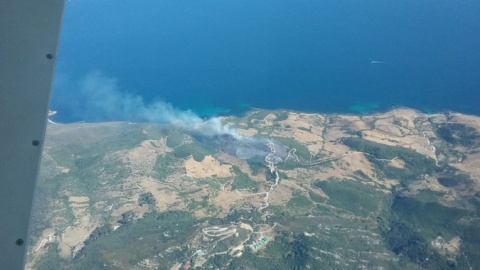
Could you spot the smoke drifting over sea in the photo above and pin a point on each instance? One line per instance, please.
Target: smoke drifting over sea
(97, 97)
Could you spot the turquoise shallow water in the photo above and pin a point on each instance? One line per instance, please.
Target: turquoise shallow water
(223, 57)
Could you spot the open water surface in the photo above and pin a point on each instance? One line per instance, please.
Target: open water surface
(222, 57)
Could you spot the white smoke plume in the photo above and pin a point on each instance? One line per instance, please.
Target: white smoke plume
(101, 99)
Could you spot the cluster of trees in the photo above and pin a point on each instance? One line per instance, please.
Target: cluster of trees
(164, 166)
(352, 196)
(416, 164)
(458, 134)
(402, 239)
(242, 180)
(147, 199)
(195, 149)
(413, 222)
(301, 152)
(293, 253)
(299, 202)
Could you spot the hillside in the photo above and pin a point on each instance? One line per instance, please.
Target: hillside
(397, 190)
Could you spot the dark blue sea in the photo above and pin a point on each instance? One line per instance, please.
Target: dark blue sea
(225, 56)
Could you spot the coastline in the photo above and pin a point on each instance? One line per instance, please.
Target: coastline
(252, 110)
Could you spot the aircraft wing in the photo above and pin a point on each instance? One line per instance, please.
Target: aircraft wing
(29, 31)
